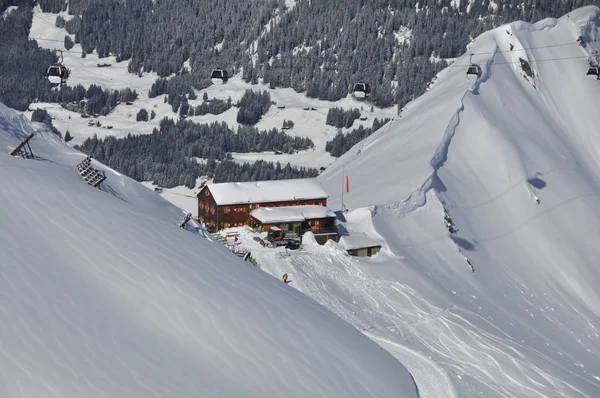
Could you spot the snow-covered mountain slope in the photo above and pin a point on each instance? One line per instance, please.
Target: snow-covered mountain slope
(102, 294)
(526, 321)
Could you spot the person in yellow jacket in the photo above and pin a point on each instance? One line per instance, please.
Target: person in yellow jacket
(285, 277)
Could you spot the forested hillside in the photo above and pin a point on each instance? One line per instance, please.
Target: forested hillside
(318, 47)
(179, 152)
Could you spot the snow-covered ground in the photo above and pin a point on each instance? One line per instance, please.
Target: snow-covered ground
(102, 294)
(181, 196)
(508, 306)
(525, 322)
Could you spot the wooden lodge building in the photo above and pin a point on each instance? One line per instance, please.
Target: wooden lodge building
(230, 204)
(297, 220)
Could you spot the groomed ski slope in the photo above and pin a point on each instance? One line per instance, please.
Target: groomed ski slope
(103, 295)
(526, 322)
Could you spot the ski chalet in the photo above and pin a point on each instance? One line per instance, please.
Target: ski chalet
(297, 220)
(293, 205)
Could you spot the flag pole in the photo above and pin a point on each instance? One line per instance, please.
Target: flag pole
(343, 185)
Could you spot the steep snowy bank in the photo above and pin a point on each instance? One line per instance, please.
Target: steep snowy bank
(485, 152)
(101, 294)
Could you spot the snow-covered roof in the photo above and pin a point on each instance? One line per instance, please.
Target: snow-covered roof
(268, 215)
(358, 240)
(229, 193)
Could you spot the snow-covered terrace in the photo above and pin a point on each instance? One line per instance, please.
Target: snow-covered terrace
(270, 215)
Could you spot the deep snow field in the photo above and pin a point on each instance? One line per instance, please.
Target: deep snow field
(102, 294)
(507, 305)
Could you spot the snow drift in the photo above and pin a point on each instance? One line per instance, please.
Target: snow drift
(512, 159)
(101, 294)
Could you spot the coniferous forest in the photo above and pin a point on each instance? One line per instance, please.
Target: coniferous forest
(177, 153)
(318, 48)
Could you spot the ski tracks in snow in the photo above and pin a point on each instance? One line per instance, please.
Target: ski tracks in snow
(336, 282)
(431, 379)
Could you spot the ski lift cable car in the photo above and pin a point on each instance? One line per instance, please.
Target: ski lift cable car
(594, 71)
(58, 73)
(362, 90)
(219, 76)
(473, 69)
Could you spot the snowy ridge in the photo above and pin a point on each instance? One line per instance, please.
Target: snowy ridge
(514, 161)
(441, 153)
(103, 295)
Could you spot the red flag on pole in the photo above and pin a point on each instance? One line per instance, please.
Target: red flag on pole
(347, 184)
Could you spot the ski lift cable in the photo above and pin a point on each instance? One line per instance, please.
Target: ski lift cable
(122, 66)
(180, 194)
(532, 48)
(474, 53)
(62, 41)
(450, 66)
(90, 69)
(482, 53)
(534, 61)
(495, 63)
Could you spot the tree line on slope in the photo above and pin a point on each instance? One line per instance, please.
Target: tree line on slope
(177, 153)
(23, 64)
(319, 48)
(42, 116)
(341, 143)
(253, 105)
(23, 67)
(338, 117)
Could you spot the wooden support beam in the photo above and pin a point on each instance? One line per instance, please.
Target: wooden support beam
(21, 150)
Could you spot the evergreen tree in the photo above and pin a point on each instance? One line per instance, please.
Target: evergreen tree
(142, 115)
(68, 42)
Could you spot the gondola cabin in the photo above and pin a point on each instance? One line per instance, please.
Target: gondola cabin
(362, 90)
(57, 74)
(594, 72)
(474, 70)
(219, 76)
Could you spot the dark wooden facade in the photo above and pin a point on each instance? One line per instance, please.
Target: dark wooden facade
(217, 216)
(364, 251)
(298, 227)
(324, 229)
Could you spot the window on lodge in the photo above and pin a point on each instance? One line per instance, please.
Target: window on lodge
(226, 209)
